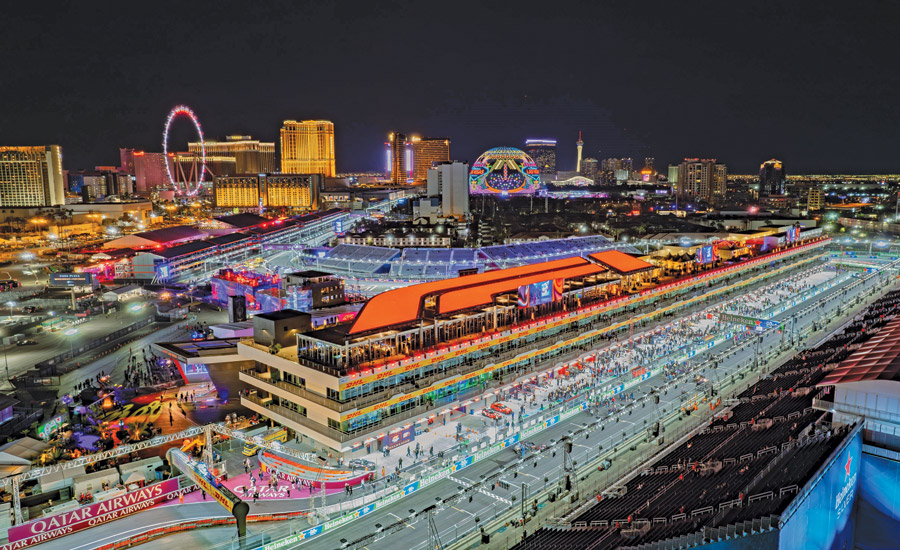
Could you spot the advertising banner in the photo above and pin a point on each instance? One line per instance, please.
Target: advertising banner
(47, 429)
(66, 523)
(706, 254)
(402, 437)
(792, 234)
(540, 293)
(71, 279)
(199, 473)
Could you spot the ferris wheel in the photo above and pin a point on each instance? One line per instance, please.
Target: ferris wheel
(184, 182)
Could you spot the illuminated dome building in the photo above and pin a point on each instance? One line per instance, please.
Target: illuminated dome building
(504, 171)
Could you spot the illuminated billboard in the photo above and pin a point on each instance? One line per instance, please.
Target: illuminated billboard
(71, 279)
(504, 171)
(706, 254)
(792, 234)
(540, 293)
(828, 505)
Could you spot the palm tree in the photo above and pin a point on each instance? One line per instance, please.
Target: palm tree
(53, 455)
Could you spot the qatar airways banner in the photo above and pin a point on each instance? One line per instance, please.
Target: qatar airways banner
(66, 523)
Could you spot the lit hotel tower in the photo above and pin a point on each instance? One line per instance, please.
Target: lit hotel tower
(399, 158)
(307, 147)
(579, 144)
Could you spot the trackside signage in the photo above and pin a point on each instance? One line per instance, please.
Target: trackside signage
(51, 527)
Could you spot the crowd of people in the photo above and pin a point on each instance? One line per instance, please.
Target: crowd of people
(758, 302)
(148, 369)
(659, 348)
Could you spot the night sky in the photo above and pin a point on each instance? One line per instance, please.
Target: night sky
(815, 84)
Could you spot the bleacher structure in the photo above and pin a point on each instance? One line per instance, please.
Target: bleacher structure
(510, 255)
(736, 477)
(427, 264)
(355, 259)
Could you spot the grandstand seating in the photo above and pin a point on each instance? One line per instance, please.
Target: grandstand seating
(442, 263)
(356, 259)
(540, 251)
(432, 263)
(742, 467)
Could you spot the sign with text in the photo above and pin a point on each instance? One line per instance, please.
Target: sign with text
(751, 322)
(71, 279)
(199, 473)
(66, 523)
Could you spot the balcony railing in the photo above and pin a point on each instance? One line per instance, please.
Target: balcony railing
(846, 408)
(298, 418)
(287, 352)
(330, 432)
(299, 391)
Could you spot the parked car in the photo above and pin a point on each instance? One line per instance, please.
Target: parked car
(500, 407)
(490, 413)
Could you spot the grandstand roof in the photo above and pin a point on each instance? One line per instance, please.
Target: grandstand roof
(272, 227)
(313, 216)
(172, 234)
(877, 359)
(469, 297)
(243, 221)
(182, 249)
(166, 236)
(404, 305)
(621, 262)
(230, 238)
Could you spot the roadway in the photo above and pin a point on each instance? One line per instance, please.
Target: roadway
(485, 503)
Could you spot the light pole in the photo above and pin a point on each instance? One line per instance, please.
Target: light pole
(11, 305)
(70, 333)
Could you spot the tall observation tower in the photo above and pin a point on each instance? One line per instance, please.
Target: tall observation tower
(579, 144)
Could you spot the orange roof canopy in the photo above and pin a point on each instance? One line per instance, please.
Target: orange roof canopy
(403, 305)
(620, 262)
(457, 300)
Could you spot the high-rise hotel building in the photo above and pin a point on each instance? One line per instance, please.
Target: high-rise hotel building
(251, 156)
(426, 153)
(702, 179)
(31, 176)
(543, 152)
(296, 191)
(307, 147)
(399, 158)
(149, 169)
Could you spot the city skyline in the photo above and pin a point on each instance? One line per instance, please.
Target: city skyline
(624, 90)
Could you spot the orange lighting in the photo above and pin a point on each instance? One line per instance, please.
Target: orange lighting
(466, 298)
(402, 305)
(620, 262)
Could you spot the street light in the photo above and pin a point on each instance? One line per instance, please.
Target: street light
(71, 332)
(11, 305)
(38, 222)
